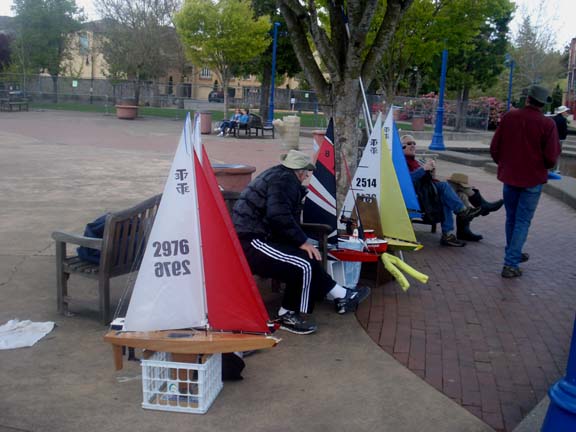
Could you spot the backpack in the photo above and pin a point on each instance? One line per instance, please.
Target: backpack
(94, 229)
(429, 201)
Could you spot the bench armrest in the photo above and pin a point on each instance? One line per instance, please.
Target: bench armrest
(316, 228)
(89, 242)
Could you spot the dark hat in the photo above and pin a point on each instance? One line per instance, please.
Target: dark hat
(539, 94)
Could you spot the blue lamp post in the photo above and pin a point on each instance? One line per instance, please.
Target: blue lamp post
(438, 138)
(510, 63)
(274, 43)
(561, 415)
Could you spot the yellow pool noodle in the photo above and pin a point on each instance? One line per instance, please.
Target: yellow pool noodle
(400, 278)
(420, 277)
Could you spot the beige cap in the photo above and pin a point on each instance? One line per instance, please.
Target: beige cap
(297, 160)
(459, 178)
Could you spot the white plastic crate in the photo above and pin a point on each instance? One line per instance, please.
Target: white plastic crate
(178, 386)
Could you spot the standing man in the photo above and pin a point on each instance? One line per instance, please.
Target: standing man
(267, 220)
(525, 146)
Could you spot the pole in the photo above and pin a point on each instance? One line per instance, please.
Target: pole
(438, 138)
(561, 415)
(510, 85)
(274, 43)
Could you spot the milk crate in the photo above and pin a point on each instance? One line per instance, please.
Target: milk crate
(189, 385)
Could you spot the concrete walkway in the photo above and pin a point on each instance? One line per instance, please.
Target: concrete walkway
(60, 170)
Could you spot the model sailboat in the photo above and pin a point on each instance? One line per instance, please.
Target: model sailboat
(181, 283)
(376, 179)
(320, 203)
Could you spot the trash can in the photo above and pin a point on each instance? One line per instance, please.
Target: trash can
(233, 177)
(205, 122)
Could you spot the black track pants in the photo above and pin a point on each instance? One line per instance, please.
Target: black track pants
(306, 280)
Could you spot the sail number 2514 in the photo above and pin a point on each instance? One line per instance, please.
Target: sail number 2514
(365, 182)
(172, 248)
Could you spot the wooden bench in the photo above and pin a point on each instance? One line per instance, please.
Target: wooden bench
(125, 236)
(255, 123)
(13, 101)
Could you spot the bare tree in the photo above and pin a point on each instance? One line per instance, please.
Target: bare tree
(139, 41)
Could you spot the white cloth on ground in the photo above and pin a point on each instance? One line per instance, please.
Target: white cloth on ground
(20, 334)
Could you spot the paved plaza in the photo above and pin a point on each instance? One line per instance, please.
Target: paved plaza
(469, 351)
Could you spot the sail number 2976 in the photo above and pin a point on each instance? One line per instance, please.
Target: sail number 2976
(172, 248)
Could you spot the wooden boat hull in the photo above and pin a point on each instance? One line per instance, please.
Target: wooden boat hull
(186, 342)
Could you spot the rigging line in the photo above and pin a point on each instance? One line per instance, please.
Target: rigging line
(349, 178)
(365, 107)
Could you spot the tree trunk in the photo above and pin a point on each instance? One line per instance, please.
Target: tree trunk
(345, 111)
(137, 91)
(265, 91)
(55, 88)
(462, 111)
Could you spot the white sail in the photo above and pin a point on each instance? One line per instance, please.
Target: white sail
(169, 292)
(366, 180)
(387, 129)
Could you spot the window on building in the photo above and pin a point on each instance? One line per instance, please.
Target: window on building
(83, 44)
(205, 73)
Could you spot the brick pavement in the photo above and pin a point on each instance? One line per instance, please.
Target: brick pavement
(492, 345)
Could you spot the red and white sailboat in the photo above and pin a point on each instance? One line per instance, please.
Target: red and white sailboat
(194, 292)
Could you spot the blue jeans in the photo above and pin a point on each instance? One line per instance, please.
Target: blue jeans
(451, 203)
(520, 204)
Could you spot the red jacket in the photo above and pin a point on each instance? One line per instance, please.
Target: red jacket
(525, 146)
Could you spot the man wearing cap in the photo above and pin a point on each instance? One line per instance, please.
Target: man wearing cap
(525, 146)
(561, 120)
(266, 217)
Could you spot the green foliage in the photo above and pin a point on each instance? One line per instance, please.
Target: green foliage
(43, 29)
(5, 51)
(537, 62)
(221, 35)
(478, 61)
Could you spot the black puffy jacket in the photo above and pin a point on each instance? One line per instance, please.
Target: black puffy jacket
(270, 207)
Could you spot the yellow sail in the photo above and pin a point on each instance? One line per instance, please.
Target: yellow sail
(393, 214)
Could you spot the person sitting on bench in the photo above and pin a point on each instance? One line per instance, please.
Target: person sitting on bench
(448, 197)
(266, 217)
(227, 126)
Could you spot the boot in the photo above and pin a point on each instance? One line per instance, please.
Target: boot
(487, 207)
(463, 231)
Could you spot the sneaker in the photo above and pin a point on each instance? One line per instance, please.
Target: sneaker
(469, 213)
(511, 272)
(294, 323)
(221, 134)
(353, 298)
(525, 257)
(451, 240)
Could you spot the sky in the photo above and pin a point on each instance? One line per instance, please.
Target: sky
(557, 15)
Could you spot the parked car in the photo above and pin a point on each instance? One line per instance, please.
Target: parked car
(216, 96)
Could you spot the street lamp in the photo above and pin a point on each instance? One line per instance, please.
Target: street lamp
(438, 138)
(509, 61)
(274, 43)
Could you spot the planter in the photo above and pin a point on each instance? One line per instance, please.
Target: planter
(233, 177)
(417, 123)
(126, 112)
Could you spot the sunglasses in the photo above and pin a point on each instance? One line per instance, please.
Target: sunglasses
(411, 143)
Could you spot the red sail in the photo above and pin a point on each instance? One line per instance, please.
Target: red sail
(234, 302)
